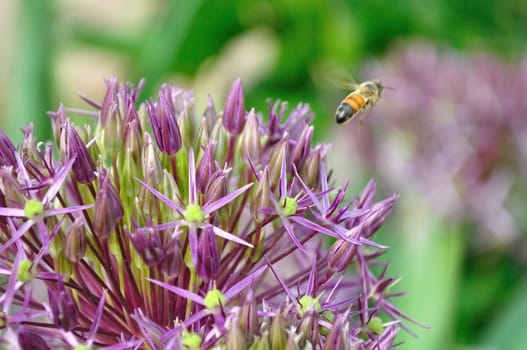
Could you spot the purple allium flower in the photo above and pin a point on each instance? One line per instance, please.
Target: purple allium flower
(214, 238)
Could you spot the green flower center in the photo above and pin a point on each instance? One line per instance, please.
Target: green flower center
(213, 299)
(81, 347)
(33, 207)
(191, 340)
(289, 205)
(376, 325)
(308, 303)
(194, 213)
(24, 274)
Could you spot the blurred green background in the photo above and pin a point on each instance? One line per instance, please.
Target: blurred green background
(472, 295)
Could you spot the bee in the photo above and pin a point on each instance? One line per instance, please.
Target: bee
(359, 101)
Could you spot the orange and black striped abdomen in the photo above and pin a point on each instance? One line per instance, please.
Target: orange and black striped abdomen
(349, 107)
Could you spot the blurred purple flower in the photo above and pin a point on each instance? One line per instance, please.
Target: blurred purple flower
(454, 130)
(214, 239)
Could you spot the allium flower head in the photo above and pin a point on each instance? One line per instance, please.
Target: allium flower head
(162, 228)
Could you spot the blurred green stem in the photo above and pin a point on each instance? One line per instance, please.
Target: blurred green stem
(429, 259)
(30, 97)
(164, 41)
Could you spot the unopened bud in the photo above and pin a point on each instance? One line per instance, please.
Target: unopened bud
(108, 207)
(261, 197)
(251, 139)
(234, 110)
(75, 241)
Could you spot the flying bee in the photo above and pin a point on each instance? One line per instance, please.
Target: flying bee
(359, 101)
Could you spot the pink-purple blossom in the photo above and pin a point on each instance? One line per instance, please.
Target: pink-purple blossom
(158, 227)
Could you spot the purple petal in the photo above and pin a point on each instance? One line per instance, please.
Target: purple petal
(283, 176)
(12, 212)
(316, 227)
(310, 193)
(282, 283)
(192, 191)
(180, 291)
(226, 235)
(291, 234)
(211, 207)
(173, 205)
(193, 244)
(61, 211)
(19, 233)
(238, 287)
(58, 181)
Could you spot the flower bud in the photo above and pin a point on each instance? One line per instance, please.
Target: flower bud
(71, 145)
(342, 252)
(58, 119)
(278, 156)
(249, 315)
(251, 139)
(150, 162)
(367, 196)
(112, 133)
(164, 125)
(236, 339)
(110, 99)
(261, 197)
(208, 254)
(206, 167)
(186, 119)
(219, 134)
(376, 217)
(63, 308)
(216, 189)
(210, 114)
(108, 208)
(30, 340)
(310, 171)
(338, 338)
(203, 136)
(234, 110)
(302, 148)
(309, 327)
(277, 332)
(75, 241)
(132, 136)
(148, 245)
(7, 151)
(173, 262)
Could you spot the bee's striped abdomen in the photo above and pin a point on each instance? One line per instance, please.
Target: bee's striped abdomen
(349, 107)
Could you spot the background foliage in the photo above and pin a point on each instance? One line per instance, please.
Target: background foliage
(286, 49)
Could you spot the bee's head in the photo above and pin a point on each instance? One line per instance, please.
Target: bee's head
(372, 89)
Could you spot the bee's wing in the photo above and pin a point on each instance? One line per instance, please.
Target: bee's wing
(332, 75)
